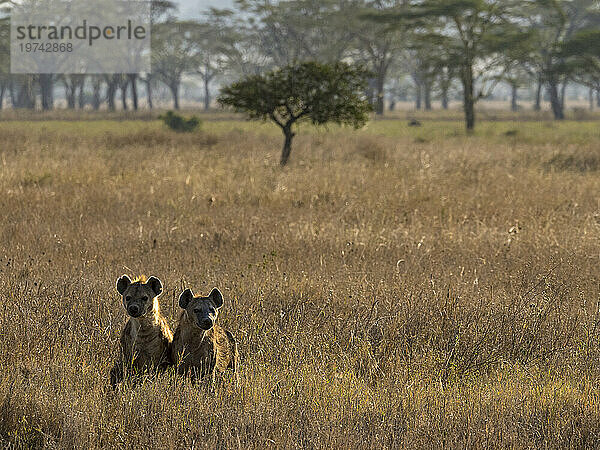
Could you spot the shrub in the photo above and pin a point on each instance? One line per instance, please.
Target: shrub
(180, 124)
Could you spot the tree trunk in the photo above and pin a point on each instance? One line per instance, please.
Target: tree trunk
(71, 97)
(81, 95)
(74, 89)
(591, 98)
(392, 105)
(419, 95)
(287, 145)
(46, 81)
(123, 88)
(445, 97)
(148, 82)
(537, 106)
(427, 96)
(111, 92)
(563, 92)
(2, 92)
(96, 85)
(379, 85)
(514, 105)
(206, 94)
(134, 92)
(175, 92)
(598, 98)
(370, 92)
(468, 97)
(369, 95)
(25, 96)
(70, 91)
(555, 103)
(13, 95)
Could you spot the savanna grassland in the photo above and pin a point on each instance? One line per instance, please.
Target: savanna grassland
(392, 287)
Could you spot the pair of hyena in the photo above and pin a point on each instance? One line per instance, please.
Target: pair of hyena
(199, 347)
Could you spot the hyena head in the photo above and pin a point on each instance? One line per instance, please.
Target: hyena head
(202, 311)
(139, 295)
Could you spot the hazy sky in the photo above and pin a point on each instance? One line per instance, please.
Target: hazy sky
(193, 8)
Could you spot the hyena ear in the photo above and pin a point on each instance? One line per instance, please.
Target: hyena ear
(216, 297)
(185, 298)
(156, 285)
(123, 283)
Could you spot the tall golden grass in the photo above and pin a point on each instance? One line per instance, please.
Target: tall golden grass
(393, 287)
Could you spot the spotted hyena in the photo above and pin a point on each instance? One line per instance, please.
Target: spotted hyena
(146, 339)
(201, 347)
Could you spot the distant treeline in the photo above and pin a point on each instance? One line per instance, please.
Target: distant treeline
(422, 50)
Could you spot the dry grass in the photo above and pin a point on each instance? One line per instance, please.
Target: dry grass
(393, 287)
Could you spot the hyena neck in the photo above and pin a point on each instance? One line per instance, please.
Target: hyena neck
(150, 320)
(190, 331)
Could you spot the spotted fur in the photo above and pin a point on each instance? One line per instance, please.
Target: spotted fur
(201, 348)
(146, 338)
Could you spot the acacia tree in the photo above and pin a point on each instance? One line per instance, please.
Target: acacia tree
(447, 73)
(582, 58)
(552, 23)
(581, 52)
(377, 46)
(516, 77)
(444, 67)
(423, 72)
(215, 38)
(472, 31)
(313, 92)
(160, 11)
(173, 54)
(515, 68)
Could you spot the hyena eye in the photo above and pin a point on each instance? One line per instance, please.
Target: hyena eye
(128, 298)
(144, 298)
